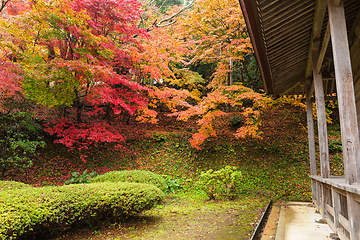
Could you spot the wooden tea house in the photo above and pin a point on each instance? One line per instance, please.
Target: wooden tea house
(312, 48)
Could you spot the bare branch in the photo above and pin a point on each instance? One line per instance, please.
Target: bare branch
(151, 3)
(169, 20)
(141, 23)
(3, 4)
(167, 24)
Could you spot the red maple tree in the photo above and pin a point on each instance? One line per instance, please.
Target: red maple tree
(81, 61)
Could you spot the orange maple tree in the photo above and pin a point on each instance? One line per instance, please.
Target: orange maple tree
(215, 32)
(209, 32)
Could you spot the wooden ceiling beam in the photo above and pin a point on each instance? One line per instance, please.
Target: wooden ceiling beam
(289, 68)
(276, 8)
(287, 52)
(282, 17)
(320, 9)
(268, 4)
(275, 39)
(290, 23)
(353, 28)
(290, 88)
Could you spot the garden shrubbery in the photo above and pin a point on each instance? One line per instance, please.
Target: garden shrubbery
(20, 136)
(9, 185)
(78, 178)
(224, 183)
(138, 176)
(36, 209)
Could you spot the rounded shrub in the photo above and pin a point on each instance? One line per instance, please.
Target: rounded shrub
(9, 185)
(53, 207)
(138, 176)
(224, 183)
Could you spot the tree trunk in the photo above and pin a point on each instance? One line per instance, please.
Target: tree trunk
(109, 113)
(231, 77)
(2, 176)
(78, 114)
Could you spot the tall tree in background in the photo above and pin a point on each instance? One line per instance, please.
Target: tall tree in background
(78, 55)
(11, 75)
(215, 31)
(215, 34)
(210, 33)
(162, 65)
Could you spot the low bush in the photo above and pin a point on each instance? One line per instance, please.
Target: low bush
(224, 183)
(40, 209)
(138, 176)
(9, 185)
(78, 178)
(20, 137)
(172, 185)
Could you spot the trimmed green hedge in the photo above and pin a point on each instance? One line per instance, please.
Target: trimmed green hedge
(36, 209)
(9, 185)
(138, 176)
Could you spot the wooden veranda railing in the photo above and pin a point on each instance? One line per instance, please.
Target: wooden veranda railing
(339, 204)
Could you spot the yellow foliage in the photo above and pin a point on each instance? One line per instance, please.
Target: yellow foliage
(327, 113)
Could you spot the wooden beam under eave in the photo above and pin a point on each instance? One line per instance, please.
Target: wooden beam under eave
(249, 9)
(323, 48)
(319, 15)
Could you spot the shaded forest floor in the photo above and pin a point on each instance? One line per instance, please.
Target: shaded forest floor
(274, 167)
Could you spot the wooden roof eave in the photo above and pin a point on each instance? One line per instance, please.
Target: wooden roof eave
(249, 9)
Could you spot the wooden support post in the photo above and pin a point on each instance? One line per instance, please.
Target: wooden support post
(337, 3)
(319, 197)
(337, 208)
(313, 191)
(311, 136)
(321, 119)
(321, 201)
(345, 92)
(311, 132)
(354, 215)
